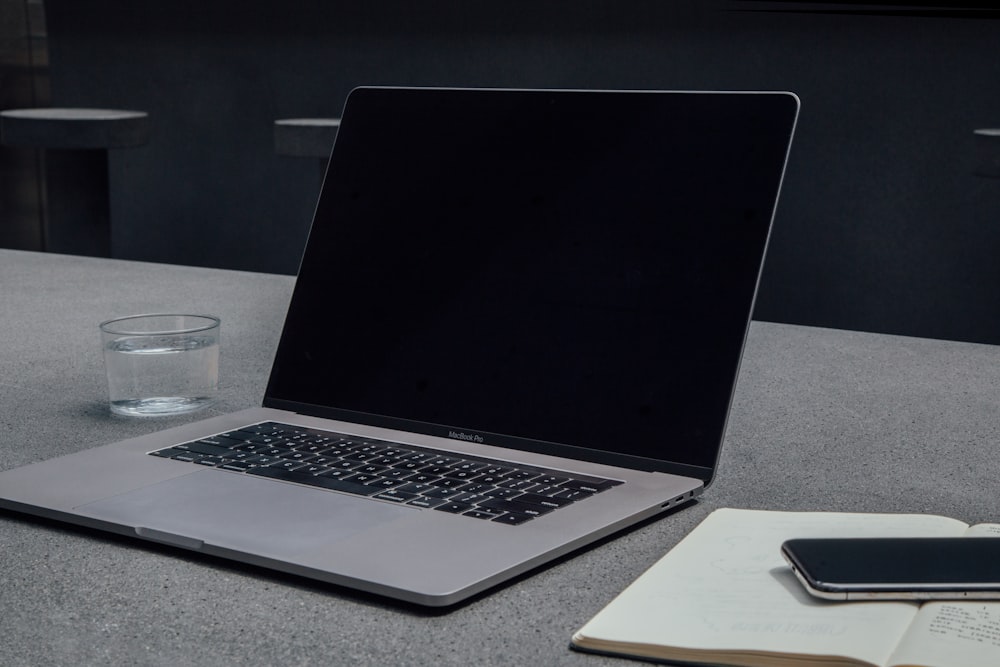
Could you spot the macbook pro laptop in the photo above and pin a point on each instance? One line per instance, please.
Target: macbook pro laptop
(516, 329)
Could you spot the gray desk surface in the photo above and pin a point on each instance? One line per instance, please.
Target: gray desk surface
(822, 420)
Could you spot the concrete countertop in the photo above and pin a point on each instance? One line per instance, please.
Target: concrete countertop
(822, 420)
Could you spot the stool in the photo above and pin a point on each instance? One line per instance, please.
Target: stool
(988, 153)
(77, 211)
(307, 137)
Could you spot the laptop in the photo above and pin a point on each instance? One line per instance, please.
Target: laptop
(516, 329)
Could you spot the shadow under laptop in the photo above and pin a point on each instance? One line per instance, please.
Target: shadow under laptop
(305, 583)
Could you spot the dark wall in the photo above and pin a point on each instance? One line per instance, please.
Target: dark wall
(882, 225)
(23, 83)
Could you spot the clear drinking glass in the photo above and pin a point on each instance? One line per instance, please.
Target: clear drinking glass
(161, 364)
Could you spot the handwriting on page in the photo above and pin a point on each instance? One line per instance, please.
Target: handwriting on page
(979, 624)
(787, 628)
(984, 530)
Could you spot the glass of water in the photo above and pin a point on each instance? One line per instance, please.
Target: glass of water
(161, 364)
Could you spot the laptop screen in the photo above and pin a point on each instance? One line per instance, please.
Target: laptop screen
(569, 271)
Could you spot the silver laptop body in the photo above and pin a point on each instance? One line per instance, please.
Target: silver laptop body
(554, 280)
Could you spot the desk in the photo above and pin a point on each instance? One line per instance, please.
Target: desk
(822, 419)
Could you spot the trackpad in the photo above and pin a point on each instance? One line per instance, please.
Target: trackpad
(242, 512)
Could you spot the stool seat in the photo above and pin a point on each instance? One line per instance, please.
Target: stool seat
(305, 137)
(988, 152)
(74, 128)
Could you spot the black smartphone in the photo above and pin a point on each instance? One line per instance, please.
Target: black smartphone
(897, 568)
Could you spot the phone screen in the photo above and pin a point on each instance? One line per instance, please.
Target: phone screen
(897, 563)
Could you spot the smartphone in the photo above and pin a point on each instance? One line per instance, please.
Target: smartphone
(897, 568)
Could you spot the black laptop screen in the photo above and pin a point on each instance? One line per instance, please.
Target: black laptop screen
(564, 267)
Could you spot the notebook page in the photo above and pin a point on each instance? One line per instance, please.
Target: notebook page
(726, 587)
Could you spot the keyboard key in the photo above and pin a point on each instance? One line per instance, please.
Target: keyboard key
(416, 488)
(496, 470)
(485, 511)
(394, 453)
(504, 493)
(384, 483)
(467, 475)
(201, 447)
(572, 494)
(590, 486)
(287, 465)
(449, 483)
(346, 465)
(441, 461)
(383, 460)
(483, 489)
(395, 495)
(367, 447)
(470, 498)
(441, 493)
(311, 448)
(516, 507)
(273, 451)
(362, 478)
(543, 490)
(544, 501)
(530, 509)
(408, 465)
(423, 478)
(491, 479)
(322, 461)
(469, 466)
(418, 457)
(249, 447)
(513, 518)
(335, 450)
(454, 508)
(220, 441)
(166, 453)
(210, 461)
(516, 484)
(262, 460)
(337, 474)
(551, 479)
(359, 456)
(269, 440)
(293, 455)
(426, 503)
(396, 474)
(435, 470)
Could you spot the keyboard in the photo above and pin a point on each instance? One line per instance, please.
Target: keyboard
(470, 486)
